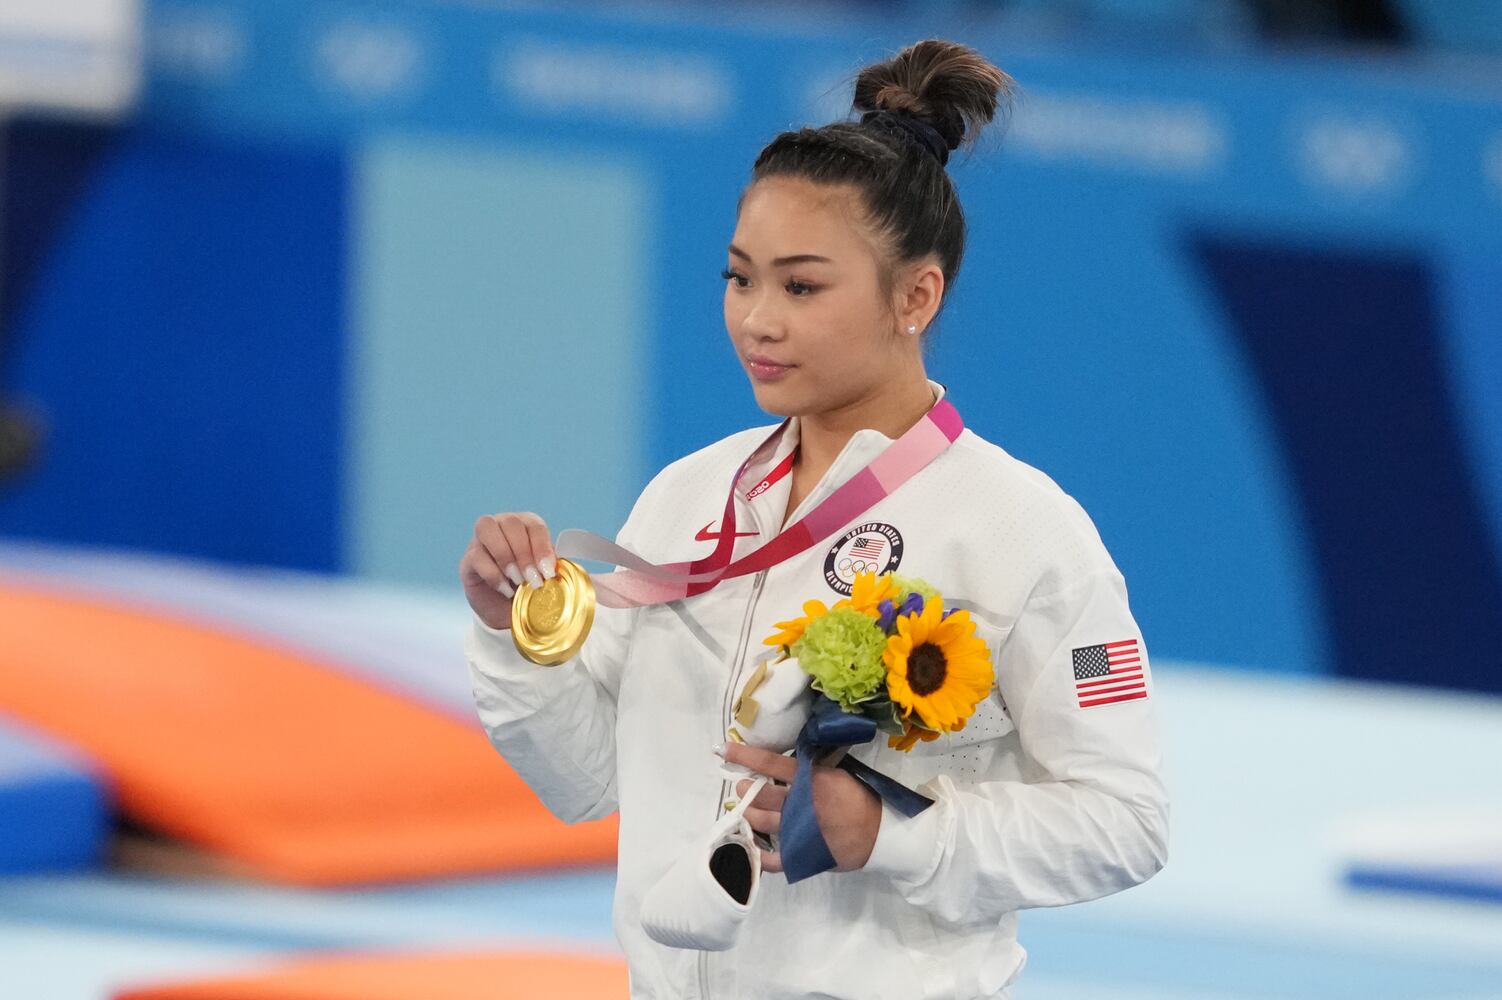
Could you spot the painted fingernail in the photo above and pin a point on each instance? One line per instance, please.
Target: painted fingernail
(719, 750)
(549, 567)
(514, 574)
(506, 588)
(533, 577)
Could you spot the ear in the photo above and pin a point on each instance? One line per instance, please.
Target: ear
(919, 291)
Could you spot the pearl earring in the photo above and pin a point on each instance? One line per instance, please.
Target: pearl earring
(911, 329)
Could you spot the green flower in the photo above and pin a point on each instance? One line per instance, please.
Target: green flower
(842, 652)
(912, 585)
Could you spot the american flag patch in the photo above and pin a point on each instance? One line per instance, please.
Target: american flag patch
(1108, 673)
(869, 547)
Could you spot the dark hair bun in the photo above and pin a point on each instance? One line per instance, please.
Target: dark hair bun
(950, 86)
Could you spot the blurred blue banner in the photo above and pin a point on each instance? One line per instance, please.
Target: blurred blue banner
(340, 275)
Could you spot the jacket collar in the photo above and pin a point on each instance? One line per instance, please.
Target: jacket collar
(864, 445)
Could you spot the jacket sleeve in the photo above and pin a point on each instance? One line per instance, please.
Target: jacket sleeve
(1090, 816)
(555, 725)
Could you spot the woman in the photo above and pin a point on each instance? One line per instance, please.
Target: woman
(846, 243)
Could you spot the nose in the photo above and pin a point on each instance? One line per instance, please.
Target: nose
(760, 321)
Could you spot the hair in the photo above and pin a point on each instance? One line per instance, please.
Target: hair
(909, 200)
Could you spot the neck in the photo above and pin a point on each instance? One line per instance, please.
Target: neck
(822, 435)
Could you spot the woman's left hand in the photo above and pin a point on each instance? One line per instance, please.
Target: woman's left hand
(848, 812)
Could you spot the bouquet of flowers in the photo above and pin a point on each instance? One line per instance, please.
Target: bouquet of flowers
(890, 651)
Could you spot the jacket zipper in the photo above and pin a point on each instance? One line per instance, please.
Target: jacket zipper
(729, 697)
(740, 653)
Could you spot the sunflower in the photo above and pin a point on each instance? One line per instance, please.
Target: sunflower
(937, 670)
(868, 591)
(792, 631)
(913, 731)
(911, 734)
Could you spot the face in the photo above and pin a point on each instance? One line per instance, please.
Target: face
(804, 305)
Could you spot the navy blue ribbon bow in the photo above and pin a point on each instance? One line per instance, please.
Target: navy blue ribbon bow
(800, 841)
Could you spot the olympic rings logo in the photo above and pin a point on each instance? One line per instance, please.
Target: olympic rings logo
(873, 547)
(855, 567)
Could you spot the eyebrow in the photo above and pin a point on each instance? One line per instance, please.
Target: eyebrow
(797, 258)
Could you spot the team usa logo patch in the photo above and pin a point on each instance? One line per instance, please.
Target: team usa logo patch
(872, 547)
(1108, 673)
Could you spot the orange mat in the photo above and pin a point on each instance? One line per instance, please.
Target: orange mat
(273, 759)
(398, 977)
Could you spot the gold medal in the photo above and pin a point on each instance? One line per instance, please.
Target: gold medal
(549, 623)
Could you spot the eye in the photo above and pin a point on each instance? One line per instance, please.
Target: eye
(800, 288)
(741, 281)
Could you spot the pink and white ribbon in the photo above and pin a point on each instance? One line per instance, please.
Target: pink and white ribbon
(639, 582)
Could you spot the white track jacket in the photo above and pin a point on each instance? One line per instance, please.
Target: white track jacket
(1050, 795)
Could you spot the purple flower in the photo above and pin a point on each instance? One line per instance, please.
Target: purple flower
(889, 614)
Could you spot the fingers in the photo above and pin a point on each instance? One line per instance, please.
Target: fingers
(764, 820)
(519, 545)
(542, 547)
(771, 861)
(521, 551)
(764, 814)
(480, 563)
(774, 765)
(770, 796)
(490, 538)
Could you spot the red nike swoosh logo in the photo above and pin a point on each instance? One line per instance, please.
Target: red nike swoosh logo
(705, 536)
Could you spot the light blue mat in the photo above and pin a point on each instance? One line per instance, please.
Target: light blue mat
(1268, 775)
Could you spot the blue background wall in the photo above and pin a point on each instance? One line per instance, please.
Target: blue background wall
(360, 272)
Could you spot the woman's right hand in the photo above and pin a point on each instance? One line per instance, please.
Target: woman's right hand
(505, 550)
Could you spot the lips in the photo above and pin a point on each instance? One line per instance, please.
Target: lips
(766, 369)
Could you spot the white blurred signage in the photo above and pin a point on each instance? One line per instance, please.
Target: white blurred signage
(639, 85)
(370, 61)
(1164, 137)
(80, 55)
(1354, 154)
